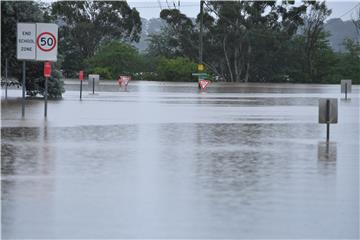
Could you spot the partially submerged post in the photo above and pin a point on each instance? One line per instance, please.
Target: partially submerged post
(94, 79)
(346, 87)
(23, 90)
(47, 74)
(328, 113)
(81, 78)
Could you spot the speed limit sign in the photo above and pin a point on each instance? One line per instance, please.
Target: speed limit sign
(46, 42)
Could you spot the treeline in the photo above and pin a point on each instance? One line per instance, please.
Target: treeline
(243, 41)
(255, 41)
(84, 28)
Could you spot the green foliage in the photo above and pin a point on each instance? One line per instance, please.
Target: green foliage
(258, 41)
(36, 84)
(349, 67)
(11, 13)
(91, 24)
(104, 72)
(149, 76)
(26, 11)
(114, 59)
(178, 69)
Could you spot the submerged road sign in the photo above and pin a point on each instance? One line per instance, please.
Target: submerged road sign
(328, 110)
(204, 84)
(346, 86)
(199, 74)
(328, 113)
(200, 67)
(47, 69)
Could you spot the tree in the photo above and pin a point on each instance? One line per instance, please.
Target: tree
(350, 61)
(177, 69)
(313, 30)
(87, 25)
(240, 36)
(115, 58)
(13, 12)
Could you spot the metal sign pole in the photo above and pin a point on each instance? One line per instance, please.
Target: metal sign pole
(6, 78)
(80, 89)
(327, 120)
(93, 85)
(345, 91)
(201, 32)
(46, 96)
(23, 91)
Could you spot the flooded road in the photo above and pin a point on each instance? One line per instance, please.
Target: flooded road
(165, 161)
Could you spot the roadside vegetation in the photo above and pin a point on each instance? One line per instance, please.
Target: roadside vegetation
(243, 41)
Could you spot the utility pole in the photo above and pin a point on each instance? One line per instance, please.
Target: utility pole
(201, 32)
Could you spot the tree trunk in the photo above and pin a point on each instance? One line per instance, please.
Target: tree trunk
(248, 64)
(236, 70)
(227, 60)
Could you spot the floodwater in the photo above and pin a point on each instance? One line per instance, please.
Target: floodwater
(165, 161)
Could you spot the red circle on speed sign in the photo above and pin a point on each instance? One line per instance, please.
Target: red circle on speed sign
(46, 41)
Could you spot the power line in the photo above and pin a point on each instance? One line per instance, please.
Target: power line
(349, 10)
(141, 7)
(159, 4)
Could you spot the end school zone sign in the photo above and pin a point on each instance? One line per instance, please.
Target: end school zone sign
(37, 41)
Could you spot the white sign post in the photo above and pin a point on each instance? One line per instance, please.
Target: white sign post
(46, 42)
(328, 113)
(36, 41)
(346, 87)
(26, 48)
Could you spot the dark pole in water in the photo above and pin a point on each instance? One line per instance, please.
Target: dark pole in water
(80, 88)
(345, 91)
(46, 96)
(23, 91)
(327, 120)
(201, 32)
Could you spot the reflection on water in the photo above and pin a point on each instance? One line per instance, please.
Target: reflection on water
(327, 155)
(327, 152)
(180, 165)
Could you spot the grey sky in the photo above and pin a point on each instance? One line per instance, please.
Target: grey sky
(151, 8)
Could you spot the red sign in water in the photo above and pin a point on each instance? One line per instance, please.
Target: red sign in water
(124, 80)
(81, 75)
(47, 69)
(204, 84)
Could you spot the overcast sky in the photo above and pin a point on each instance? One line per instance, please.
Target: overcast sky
(151, 8)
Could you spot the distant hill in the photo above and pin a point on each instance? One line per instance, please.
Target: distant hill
(151, 26)
(339, 30)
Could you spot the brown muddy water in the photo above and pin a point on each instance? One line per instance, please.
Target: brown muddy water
(165, 161)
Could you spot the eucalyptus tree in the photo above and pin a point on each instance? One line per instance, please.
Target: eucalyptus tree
(87, 25)
(313, 35)
(13, 12)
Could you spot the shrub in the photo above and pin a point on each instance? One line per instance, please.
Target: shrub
(150, 76)
(115, 58)
(177, 69)
(104, 72)
(36, 86)
(35, 82)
